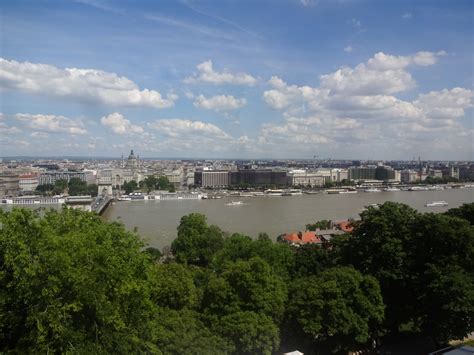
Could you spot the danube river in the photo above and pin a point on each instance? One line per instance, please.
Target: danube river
(156, 221)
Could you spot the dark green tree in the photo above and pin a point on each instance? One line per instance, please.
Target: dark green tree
(250, 333)
(196, 242)
(71, 283)
(337, 310)
(172, 286)
(163, 183)
(466, 211)
(182, 332)
(130, 186)
(420, 261)
(241, 247)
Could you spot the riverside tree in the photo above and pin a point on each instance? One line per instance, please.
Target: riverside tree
(424, 265)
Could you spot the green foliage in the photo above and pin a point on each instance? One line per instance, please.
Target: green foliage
(77, 187)
(182, 332)
(71, 283)
(240, 247)
(172, 286)
(196, 242)
(323, 224)
(339, 309)
(411, 255)
(247, 286)
(466, 211)
(129, 186)
(250, 333)
(311, 259)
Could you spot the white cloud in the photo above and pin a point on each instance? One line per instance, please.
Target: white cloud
(284, 95)
(51, 123)
(382, 74)
(219, 103)
(348, 49)
(356, 108)
(446, 104)
(119, 124)
(407, 16)
(207, 74)
(180, 128)
(89, 85)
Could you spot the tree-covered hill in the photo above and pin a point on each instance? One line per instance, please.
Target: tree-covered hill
(72, 283)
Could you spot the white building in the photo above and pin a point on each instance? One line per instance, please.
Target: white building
(28, 182)
(305, 178)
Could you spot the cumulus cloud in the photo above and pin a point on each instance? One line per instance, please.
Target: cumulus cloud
(181, 128)
(348, 49)
(354, 106)
(89, 85)
(219, 103)
(446, 104)
(207, 74)
(119, 124)
(284, 95)
(51, 123)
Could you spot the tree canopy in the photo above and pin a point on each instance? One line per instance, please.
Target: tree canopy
(70, 282)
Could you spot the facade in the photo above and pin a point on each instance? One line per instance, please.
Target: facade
(258, 177)
(28, 182)
(50, 177)
(175, 177)
(408, 176)
(211, 178)
(362, 173)
(133, 161)
(9, 184)
(305, 178)
(384, 173)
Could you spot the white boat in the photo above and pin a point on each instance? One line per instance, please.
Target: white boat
(348, 192)
(391, 189)
(437, 204)
(235, 203)
(371, 190)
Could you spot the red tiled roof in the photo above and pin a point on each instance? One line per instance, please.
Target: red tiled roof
(344, 226)
(302, 237)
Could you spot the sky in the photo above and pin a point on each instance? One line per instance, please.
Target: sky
(337, 79)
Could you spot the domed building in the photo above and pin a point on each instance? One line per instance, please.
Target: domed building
(133, 162)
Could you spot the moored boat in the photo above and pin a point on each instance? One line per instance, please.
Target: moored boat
(437, 204)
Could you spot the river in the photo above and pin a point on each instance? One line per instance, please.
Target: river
(156, 221)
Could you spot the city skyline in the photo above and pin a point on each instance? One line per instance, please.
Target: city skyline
(341, 79)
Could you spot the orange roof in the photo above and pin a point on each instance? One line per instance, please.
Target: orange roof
(302, 237)
(345, 226)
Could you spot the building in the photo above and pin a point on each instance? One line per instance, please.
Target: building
(435, 173)
(362, 173)
(28, 182)
(211, 178)
(384, 173)
(305, 178)
(9, 184)
(258, 177)
(300, 238)
(133, 162)
(409, 176)
(175, 177)
(50, 177)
